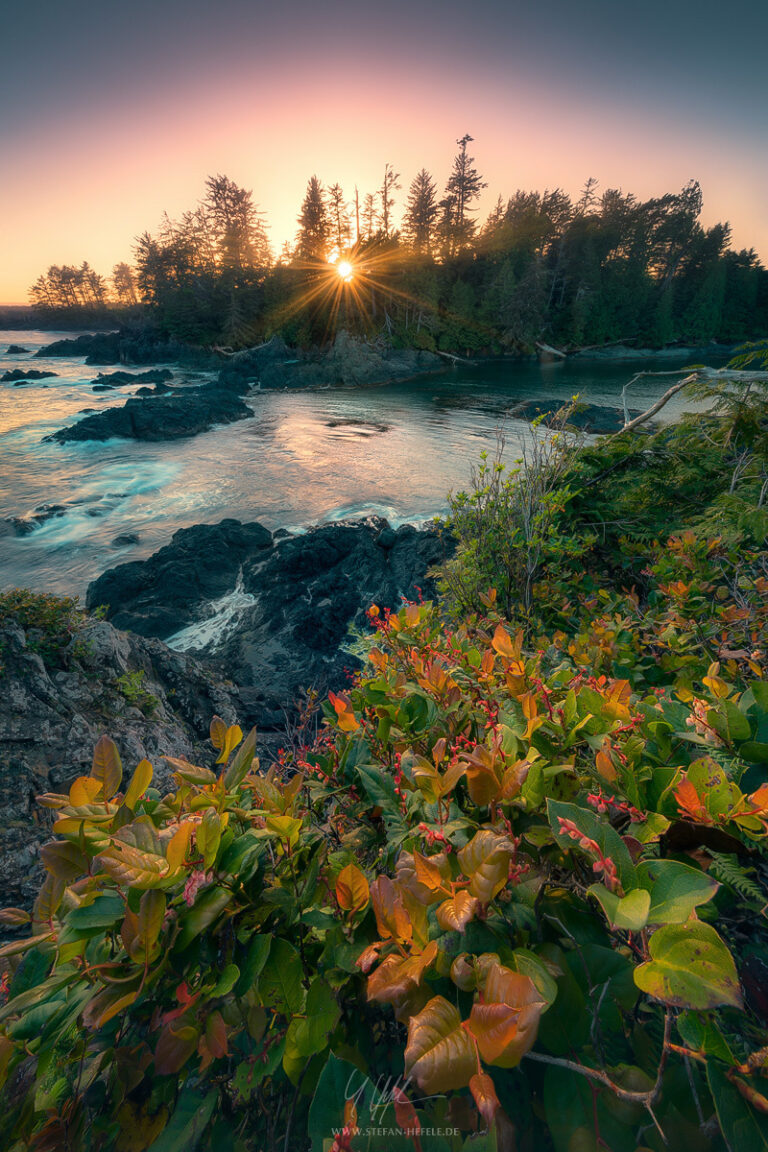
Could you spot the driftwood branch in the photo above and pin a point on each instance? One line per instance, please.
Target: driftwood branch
(550, 350)
(453, 358)
(736, 375)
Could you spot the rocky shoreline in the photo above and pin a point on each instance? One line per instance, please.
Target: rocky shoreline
(53, 708)
(273, 612)
(167, 413)
(263, 618)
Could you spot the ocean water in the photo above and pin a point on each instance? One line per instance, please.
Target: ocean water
(303, 458)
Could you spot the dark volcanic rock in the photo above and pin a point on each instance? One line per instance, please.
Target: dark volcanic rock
(23, 525)
(128, 346)
(25, 374)
(349, 362)
(53, 710)
(597, 419)
(305, 592)
(117, 379)
(15, 350)
(158, 390)
(161, 595)
(125, 540)
(160, 417)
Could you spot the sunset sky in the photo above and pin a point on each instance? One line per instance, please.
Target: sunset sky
(111, 114)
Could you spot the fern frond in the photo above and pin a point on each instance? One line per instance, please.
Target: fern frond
(727, 870)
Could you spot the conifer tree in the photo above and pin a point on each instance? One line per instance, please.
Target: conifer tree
(464, 186)
(314, 233)
(421, 212)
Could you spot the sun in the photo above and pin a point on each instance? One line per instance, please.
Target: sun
(345, 270)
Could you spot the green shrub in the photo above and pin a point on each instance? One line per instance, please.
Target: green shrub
(55, 618)
(131, 686)
(504, 853)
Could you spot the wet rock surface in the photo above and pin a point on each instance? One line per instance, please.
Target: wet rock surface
(165, 417)
(300, 596)
(19, 374)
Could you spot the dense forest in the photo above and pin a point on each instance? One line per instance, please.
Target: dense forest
(542, 267)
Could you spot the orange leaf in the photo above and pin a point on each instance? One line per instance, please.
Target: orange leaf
(453, 915)
(174, 1048)
(605, 766)
(505, 1025)
(84, 790)
(369, 956)
(405, 1113)
(350, 1114)
(690, 803)
(396, 976)
(502, 642)
(392, 919)
(352, 891)
(484, 1094)
(440, 1054)
(486, 861)
(434, 871)
(107, 768)
(176, 852)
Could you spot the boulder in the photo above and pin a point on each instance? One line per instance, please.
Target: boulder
(597, 419)
(132, 346)
(15, 350)
(118, 379)
(349, 362)
(160, 417)
(23, 525)
(161, 595)
(25, 374)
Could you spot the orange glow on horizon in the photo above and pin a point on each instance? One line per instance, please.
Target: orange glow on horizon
(84, 190)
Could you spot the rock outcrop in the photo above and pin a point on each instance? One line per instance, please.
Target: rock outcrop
(349, 362)
(25, 374)
(165, 417)
(273, 612)
(150, 700)
(597, 419)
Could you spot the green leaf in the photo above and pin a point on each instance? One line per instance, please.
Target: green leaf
(675, 889)
(105, 911)
(227, 980)
(188, 1123)
(206, 909)
(310, 1033)
(241, 764)
(744, 1129)
(340, 1081)
(591, 826)
(700, 1032)
(754, 752)
(729, 722)
(255, 959)
(280, 985)
(628, 912)
(690, 967)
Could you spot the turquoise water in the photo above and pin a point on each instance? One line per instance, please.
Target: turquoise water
(303, 458)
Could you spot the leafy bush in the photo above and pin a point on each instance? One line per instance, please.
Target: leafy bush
(504, 853)
(54, 618)
(131, 686)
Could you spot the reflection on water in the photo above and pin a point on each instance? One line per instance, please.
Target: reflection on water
(305, 457)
